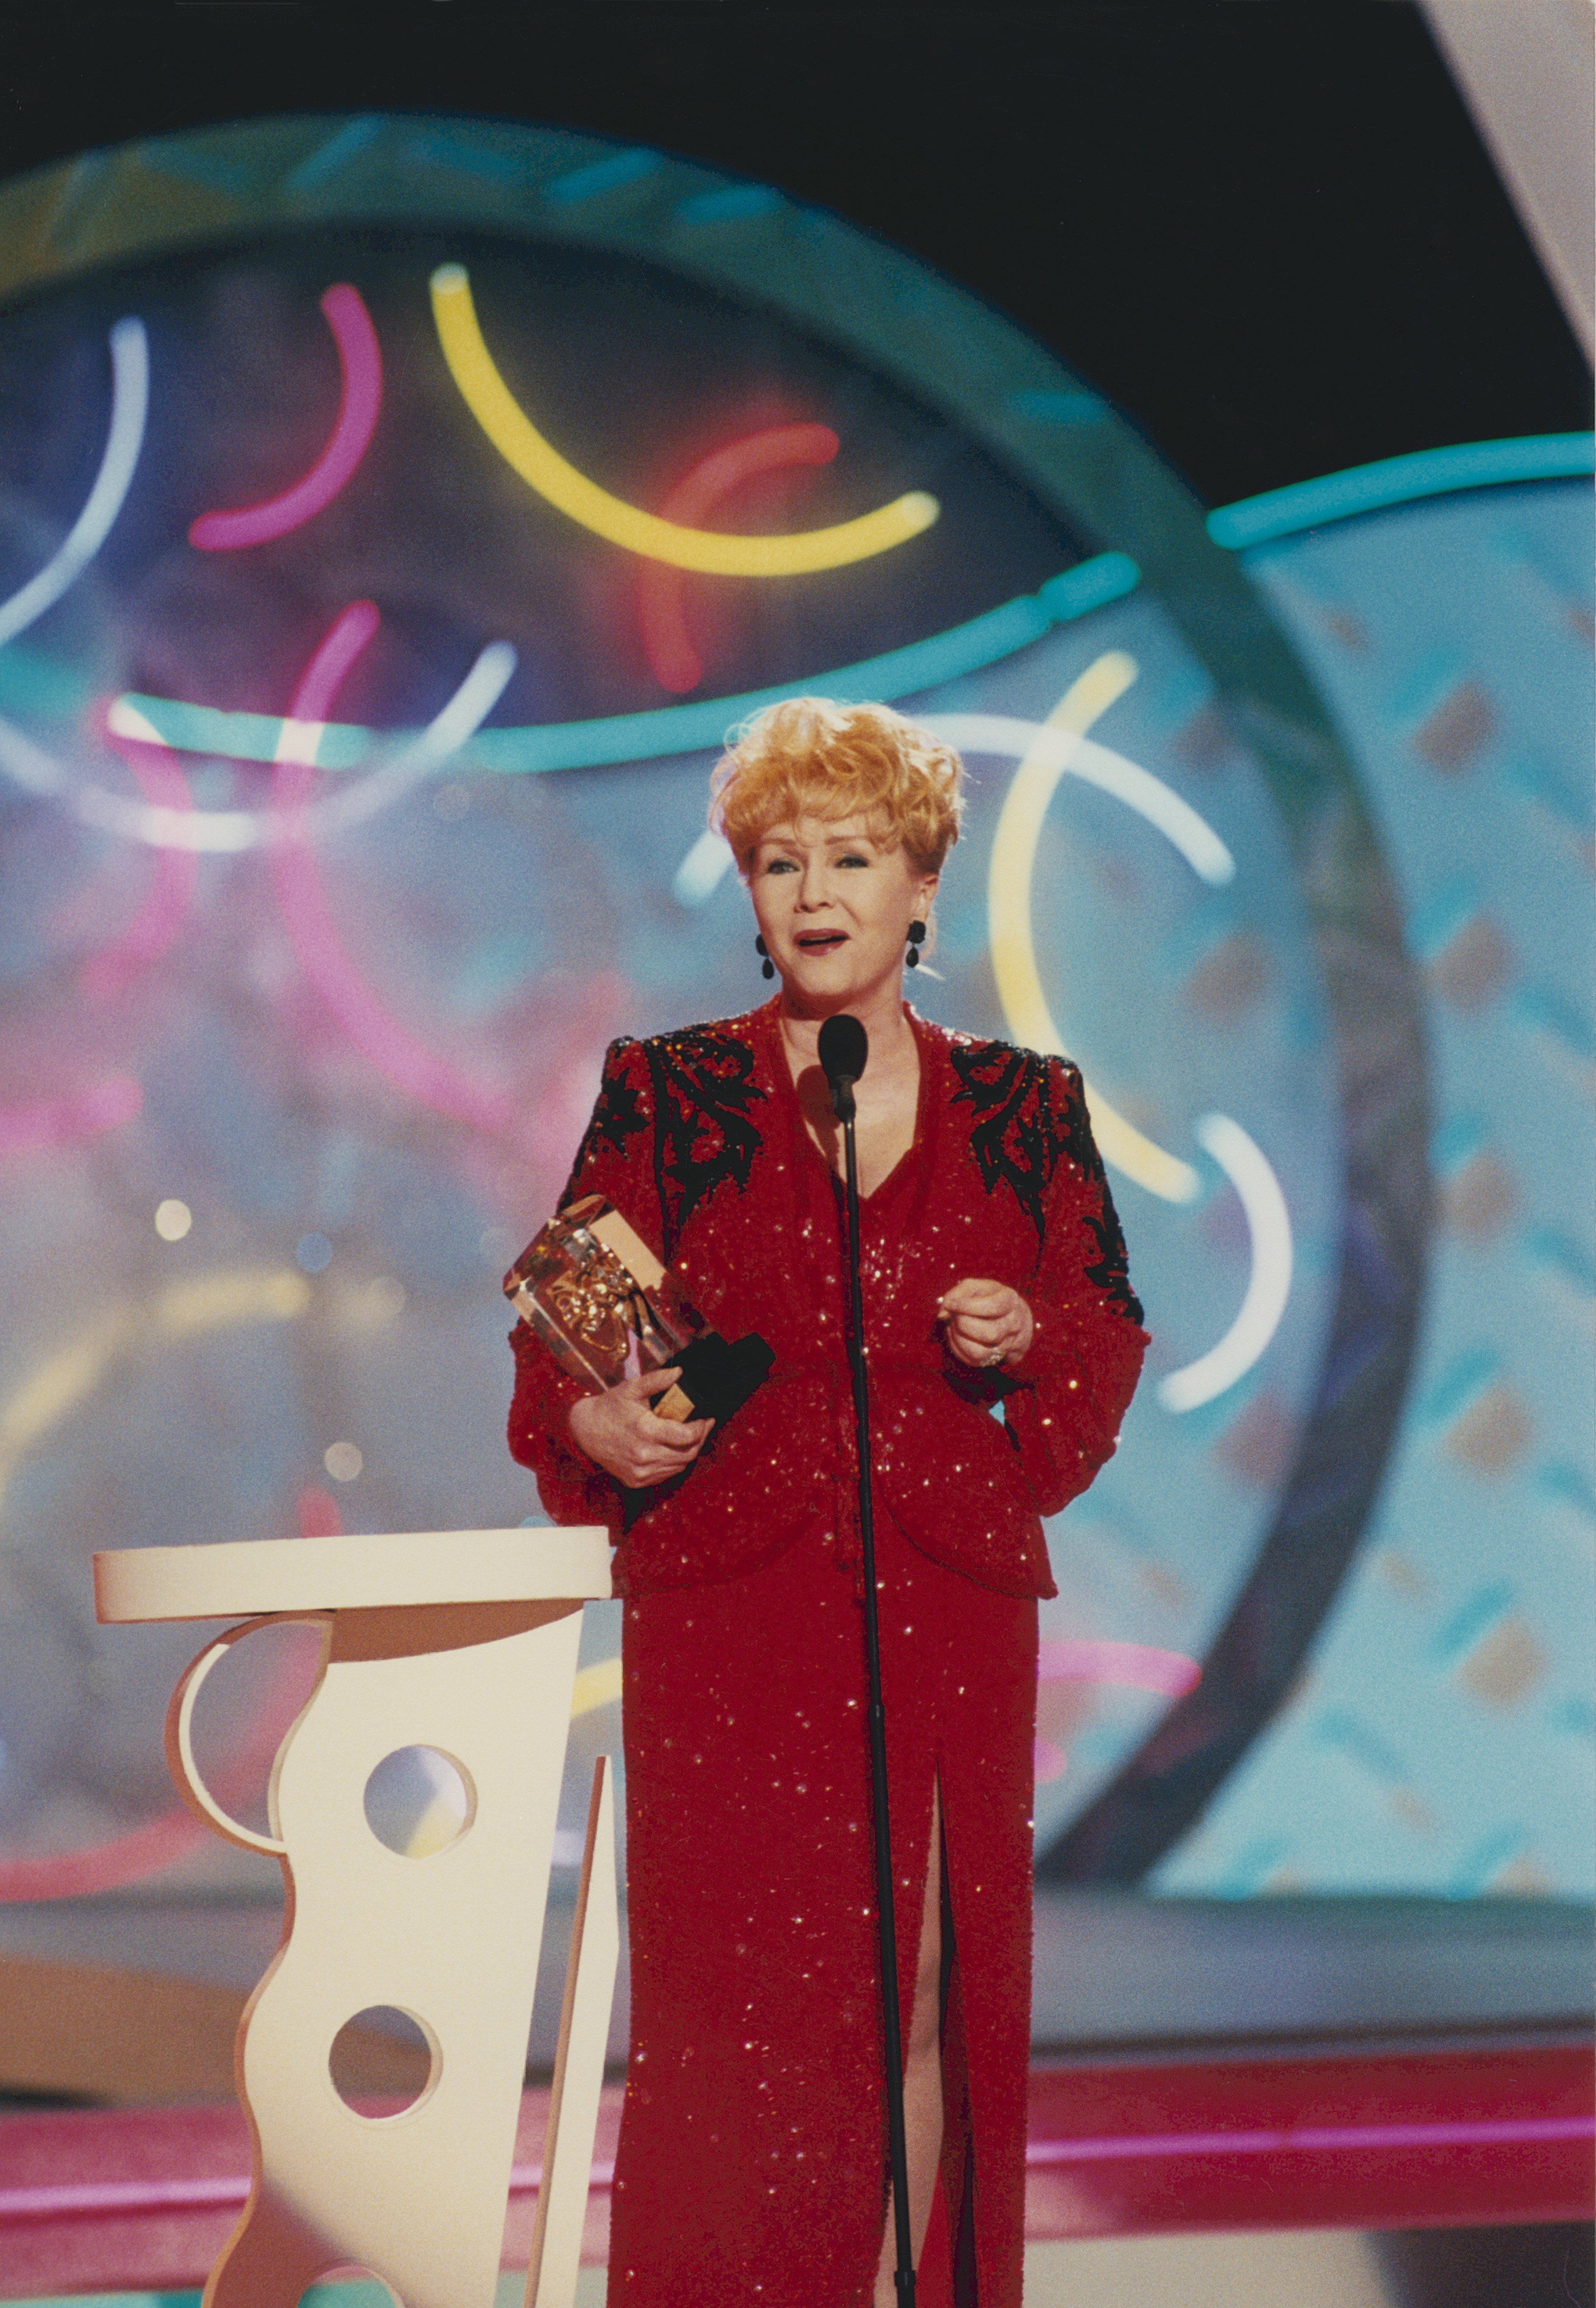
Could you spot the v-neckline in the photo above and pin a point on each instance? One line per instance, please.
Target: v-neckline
(916, 1144)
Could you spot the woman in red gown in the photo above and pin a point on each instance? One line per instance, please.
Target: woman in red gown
(752, 2159)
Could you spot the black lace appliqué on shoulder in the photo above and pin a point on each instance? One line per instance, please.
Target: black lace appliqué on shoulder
(1109, 1271)
(704, 1134)
(1016, 1141)
(617, 1116)
(1028, 1114)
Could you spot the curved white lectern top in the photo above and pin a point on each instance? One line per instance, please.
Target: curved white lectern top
(254, 1577)
(459, 1645)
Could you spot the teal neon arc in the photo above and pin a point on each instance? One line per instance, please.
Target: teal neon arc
(1398, 480)
(672, 728)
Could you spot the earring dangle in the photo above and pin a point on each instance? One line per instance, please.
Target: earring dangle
(766, 967)
(916, 940)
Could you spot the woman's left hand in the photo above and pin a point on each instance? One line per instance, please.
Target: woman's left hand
(985, 1324)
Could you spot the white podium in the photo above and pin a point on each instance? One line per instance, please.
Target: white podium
(447, 1659)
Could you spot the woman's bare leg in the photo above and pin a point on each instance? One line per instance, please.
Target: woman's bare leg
(923, 2073)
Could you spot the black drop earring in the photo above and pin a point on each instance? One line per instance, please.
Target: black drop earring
(916, 940)
(766, 967)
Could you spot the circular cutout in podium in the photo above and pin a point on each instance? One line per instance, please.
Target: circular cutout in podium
(419, 1801)
(383, 2062)
(354, 2286)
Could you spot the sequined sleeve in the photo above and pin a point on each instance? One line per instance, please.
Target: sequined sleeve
(614, 1160)
(1077, 1380)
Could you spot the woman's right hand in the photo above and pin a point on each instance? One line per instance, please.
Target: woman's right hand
(620, 1433)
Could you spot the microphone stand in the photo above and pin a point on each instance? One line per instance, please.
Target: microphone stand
(842, 1100)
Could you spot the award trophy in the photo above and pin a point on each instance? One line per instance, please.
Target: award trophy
(605, 1307)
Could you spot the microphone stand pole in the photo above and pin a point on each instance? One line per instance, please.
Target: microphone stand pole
(886, 1929)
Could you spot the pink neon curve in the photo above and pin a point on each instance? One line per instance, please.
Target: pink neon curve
(1136, 1666)
(319, 1516)
(102, 1866)
(360, 398)
(56, 1121)
(674, 662)
(302, 896)
(63, 2198)
(155, 926)
(333, 661)
(1317, 2138)
(161, 1842)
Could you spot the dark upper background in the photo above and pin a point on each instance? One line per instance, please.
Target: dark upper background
(1265, 228)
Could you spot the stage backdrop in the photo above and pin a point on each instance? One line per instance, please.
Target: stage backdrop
(394, 516)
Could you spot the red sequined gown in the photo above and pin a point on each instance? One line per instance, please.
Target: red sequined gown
(752, 2159)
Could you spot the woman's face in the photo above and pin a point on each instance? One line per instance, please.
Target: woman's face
(835, 897)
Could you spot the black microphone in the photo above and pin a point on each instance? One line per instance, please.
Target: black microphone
(844, 1050)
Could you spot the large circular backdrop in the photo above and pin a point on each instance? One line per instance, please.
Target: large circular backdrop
(394, 516)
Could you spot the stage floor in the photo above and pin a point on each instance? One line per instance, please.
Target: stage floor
(1173, 2155)
(1311, 2271)
(1302, 2100)
(1530, 2268)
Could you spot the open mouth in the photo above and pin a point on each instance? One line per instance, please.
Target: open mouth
(821, 940)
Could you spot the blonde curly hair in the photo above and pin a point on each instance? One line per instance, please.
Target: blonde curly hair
(808, 757)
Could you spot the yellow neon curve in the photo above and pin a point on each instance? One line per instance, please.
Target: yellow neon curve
(596, 1686)
(526, 452)
(1013, 945)
(55, 1387)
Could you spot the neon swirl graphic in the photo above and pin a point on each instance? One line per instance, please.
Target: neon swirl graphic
(163, 1840)
(52, 1391)
(417, 758)
(217, 1301)
(333, 661)
(156, 925)
(703, 869)
(536, 750)
(125, 439)
(1134, 1667)
(57, 1122)
(226, 831)
(526, 452)
(102, 1866)
(1046, 751)
(296, 875)
(1399, 480)
(161, 826)
(360, 401)
(673, 659)
(47, 1125)
(1129, 1667)
(1269, 1286)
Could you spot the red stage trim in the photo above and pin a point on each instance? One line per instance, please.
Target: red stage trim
(1391, 2140)
(143, 2198)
